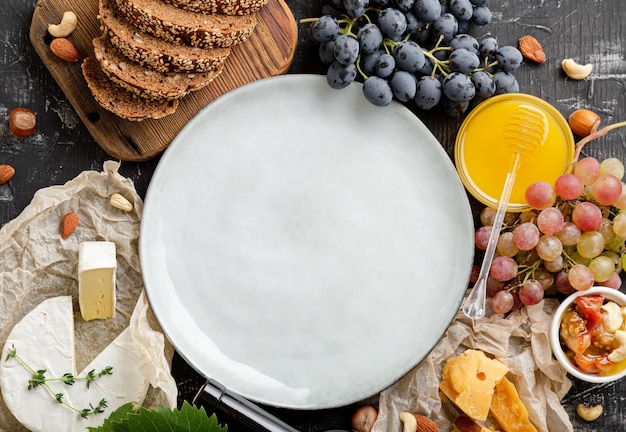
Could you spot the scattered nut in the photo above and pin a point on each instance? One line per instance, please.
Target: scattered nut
(589, 413)
(65, 27)
(118, 201)
(417, 423)
(64, 49)
(466, 424)
(584, 122)
(22, 122)
(69, 224)
(576, 71)
(6, 173)
(531, 49)
(363, 418)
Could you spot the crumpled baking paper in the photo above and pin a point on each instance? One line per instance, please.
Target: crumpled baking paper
(36, 263)
(520, 340)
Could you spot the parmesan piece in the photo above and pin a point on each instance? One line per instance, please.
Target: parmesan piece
(469, 379)
(508, 410)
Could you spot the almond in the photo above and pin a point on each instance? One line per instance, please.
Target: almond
(466, 424)
(424, 424)
(6, 173)
(69, 224)
(64, 49)
(531, 49)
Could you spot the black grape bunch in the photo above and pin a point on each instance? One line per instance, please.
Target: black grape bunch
(414, 51)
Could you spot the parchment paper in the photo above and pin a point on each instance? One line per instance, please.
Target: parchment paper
(521, 341)
(36, 263)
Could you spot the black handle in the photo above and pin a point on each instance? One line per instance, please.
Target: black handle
(242, 409)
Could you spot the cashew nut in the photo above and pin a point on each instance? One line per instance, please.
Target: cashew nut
(619, 353)
(409, 421)
(576, 71)
(613, 317)
(589, 413)
(65, 27)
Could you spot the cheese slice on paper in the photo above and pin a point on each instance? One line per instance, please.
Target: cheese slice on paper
(44, 339)
(469, 380)
(96, 279)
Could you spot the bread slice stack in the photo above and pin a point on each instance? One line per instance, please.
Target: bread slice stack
(153, 52)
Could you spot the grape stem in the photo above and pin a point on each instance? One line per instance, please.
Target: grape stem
(593, 136)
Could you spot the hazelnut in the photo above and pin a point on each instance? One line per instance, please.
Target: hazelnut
(584, 122)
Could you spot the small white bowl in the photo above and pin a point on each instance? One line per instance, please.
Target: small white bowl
(555, 340)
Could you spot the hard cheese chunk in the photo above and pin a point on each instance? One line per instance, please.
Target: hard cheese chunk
(508, 409)
(469, 379)
(96, 279)
(44, 339)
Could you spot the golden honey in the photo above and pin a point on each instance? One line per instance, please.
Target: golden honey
(483, 159)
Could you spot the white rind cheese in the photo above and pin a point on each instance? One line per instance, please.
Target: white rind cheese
(45, 340)
(97, 265)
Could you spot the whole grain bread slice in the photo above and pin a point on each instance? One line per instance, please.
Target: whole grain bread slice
(158, 54)
(228, 7)
(120, 101)
(185, 27)
(142, 80)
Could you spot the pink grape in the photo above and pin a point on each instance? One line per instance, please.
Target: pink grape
(607, 189)
(554, 265)
(481, 237)
(587, 169)
(602, 268)
(606, 229)
(561, 281)
(540, 195)
(487, 215)
(506, 245)
(526, 236)
(531, 292)
(619, 225)
(503, 268)
(528, 216)
(621, 201)
(587, 216)
(545, 278)
(580, 277)
(550, 220)
(493, 285)
(569, 234)
(549, 248)
(612, 166)
(615, 281)
(502, 302)
(569, 186)
(591, 244)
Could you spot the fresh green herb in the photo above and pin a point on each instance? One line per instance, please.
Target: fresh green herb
(162, 419)
(38, 378)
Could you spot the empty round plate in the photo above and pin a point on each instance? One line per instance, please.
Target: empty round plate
(302, 246)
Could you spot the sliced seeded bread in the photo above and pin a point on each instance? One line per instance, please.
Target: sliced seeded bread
(120, 101)
(150, 51)
(146, 82)
(228, 7)
(185, 27)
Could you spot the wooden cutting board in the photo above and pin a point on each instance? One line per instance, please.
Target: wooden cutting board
(268, 52)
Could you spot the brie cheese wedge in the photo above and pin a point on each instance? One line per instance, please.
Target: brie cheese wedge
(44, 339)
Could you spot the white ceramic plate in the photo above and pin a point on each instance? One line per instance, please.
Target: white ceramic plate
(303, 247)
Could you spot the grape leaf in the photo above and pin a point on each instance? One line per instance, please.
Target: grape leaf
(162, 419)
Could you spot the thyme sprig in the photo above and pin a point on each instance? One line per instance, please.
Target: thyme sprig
(38, 378)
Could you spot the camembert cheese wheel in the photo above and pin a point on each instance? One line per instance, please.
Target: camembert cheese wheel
(44, 339)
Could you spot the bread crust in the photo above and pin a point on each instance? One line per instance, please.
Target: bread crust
(158, 54)
(185, 27)
(120, 101)
(227, 7)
